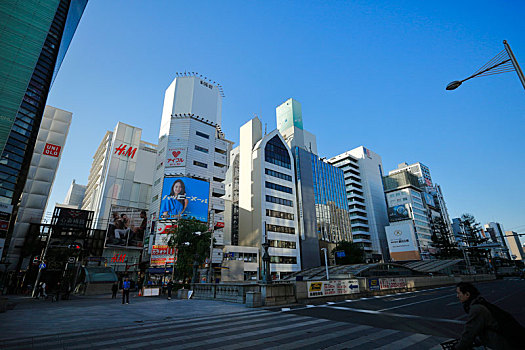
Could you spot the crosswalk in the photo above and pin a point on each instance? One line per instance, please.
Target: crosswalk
(257, 329)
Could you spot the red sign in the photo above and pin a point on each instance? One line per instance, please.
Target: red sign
(163, 255)
(176, 157)
(118, 258)
(165, 228)
(126, 151)
(52, 150)
(219, 224)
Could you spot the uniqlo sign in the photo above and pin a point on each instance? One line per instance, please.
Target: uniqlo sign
(52, 150)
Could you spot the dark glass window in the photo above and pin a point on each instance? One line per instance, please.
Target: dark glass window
(279, 214)
(283, 260)
(201, 149)
(202, 165)
(201, 134)
(276, 153)
(277, 200)
(280, 229)
(278, 174)
(282, 244)
(278, 187)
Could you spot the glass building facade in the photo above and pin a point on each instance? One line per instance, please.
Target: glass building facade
(56, 21)
(323, 206)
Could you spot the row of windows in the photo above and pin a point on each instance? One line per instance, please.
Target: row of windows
(278, 174)
(282, 244)
(280, 229)
(201, 149)
(283, 260)
(277, 200)
(278, 187)
(279, 214)
(276, 153)
(201, 134)
(201, 164)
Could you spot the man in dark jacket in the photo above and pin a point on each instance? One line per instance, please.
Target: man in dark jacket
(480, 323)
(170, 287)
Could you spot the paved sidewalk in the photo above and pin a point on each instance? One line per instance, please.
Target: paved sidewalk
(33, 317)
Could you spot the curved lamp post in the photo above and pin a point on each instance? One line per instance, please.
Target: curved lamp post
(503, 62)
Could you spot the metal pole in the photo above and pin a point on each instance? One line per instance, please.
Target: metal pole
(514, 63)
(326, 263)
(42, 260)
(210, 270)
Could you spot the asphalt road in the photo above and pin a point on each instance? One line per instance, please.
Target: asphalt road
(434, 312)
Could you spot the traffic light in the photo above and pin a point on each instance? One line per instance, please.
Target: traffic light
(75, 246)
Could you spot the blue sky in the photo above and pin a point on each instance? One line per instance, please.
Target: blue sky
(369, 73)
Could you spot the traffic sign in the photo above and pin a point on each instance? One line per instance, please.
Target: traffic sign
(42, 265)
(71, 259)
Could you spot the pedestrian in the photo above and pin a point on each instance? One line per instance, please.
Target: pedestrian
(126, 285)
(170, 287)
(43, 287)
(114, 290)
(494, 327)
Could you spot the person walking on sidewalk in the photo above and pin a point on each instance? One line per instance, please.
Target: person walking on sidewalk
(494, 327)
(126, 285)
(114, 290)
(170, 287)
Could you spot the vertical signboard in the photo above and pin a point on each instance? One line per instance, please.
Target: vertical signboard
(402, 242)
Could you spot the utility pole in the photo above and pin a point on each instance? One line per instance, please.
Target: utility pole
(43, 255)
(210, 268)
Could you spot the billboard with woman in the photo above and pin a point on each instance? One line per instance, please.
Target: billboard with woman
(184, 197)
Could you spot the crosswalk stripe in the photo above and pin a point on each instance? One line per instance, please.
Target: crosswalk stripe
(362, 340)
(239, 333)
(214, 328)
(323, 337)
(405, 342)
(256, 342)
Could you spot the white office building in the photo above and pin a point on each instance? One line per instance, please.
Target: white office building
(192, 151)
(363, 172)
(48, 151)
(75, 195)
(496, 234)
(514, 244)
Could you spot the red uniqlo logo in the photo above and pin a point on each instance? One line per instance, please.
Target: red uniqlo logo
(125, 150)
(52, 150)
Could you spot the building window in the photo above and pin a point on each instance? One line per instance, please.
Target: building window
(279, 214)
(278, 187)
(201, 134)
(202, 165)
(283, 260)
(280, 229)
(276, 153)
(155, 198)
(278, 174)
(201, 149)
(277, 200)
(282, 244)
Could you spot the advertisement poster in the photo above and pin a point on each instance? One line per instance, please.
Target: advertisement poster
(126, 227)
(176, 157)
(402, 242)
(393, 283)
(329, 288)
(184, 197)
(399, 213)
(162, 255)
(373, 284)
(73, 218)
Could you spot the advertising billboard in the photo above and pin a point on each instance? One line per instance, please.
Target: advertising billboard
(175, 157)
(399, 213)
(126, 227)
(337, 287)
(402, 242)
(429, 199)
(162, 255)
(184, 197)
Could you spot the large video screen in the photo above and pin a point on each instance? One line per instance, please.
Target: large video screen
(126, 227)
(184, 197)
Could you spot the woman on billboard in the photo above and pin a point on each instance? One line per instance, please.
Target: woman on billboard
(174, 205)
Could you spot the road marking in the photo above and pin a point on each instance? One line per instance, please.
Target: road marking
(330, 302)
(453, 303)
(405, 342)
(362, 340)
(310, 306)
(374, 312)
(283, 309)
(396, 299)
(417, 302)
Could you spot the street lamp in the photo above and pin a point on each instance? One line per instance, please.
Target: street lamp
(503, 62)
(326, 263)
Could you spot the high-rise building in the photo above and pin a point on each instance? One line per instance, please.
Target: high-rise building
(321, 197)
(409, 233)
(34, 37)
(75, 195)
(119, 188)
(267, 201)
(363, 174)
(496, 233)
(47, 153)
(514, 244)
(193, 155)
